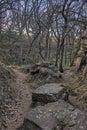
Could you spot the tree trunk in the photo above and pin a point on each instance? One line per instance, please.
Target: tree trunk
(57, 53)
(61, 56)
(47, 45)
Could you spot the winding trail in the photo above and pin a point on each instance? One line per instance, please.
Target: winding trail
(23, 100)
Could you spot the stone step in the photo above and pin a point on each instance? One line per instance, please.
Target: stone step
(48, 93)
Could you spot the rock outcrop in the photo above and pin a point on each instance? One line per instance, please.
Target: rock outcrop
(45, 68)
(48, 93)
(59, 115)
(46, 117)
(81, 56)
(55, 113)
(42, 73)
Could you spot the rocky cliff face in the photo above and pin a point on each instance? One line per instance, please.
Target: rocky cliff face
(81, 60)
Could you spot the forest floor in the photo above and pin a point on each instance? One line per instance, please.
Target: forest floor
(17, 112)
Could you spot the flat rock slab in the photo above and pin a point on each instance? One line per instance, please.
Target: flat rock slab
(46, 117)
(60, 114)
(48, 93)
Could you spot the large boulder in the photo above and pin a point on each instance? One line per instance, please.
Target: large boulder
(48, 93)
(43, 73)
(46, 117)
(45, 68)
(59, 115)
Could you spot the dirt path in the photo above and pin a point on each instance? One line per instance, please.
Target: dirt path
(23, 100)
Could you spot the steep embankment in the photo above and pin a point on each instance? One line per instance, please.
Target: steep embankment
(15, 98)
(76, 84)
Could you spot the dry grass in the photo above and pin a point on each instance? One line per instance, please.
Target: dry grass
(77, 87)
